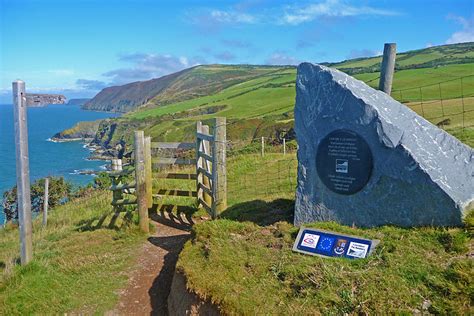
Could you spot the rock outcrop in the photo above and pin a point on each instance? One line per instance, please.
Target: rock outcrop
(82, 130)
(368, 160)
(35, 99)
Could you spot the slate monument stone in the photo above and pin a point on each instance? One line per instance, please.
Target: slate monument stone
(368, 160)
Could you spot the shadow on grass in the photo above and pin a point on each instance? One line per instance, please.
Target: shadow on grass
(172, 215)
(99, 222)
(261, 212)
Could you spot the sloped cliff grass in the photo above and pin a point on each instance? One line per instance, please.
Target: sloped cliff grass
(79, 262)
(249, 269)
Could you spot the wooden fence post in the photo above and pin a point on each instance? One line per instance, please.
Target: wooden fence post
(45, 201)
(199, 164)
(206, 165)
(284, 146)
(388, 67)
(22, 171)
(263, 146)
(140, 181)
(148, 172)
(219, 185)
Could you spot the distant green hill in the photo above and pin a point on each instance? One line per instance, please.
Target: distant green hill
(183, 85)
(259, 100)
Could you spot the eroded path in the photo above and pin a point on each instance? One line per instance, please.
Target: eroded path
(150, 282)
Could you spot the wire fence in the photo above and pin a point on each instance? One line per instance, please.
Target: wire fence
(253, 176)
(448, 105)
(265, 168)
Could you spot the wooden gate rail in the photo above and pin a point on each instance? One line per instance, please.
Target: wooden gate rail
(209, 174)
(211, 179)
(158, 164)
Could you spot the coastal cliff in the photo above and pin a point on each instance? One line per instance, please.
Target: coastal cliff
(80, 131)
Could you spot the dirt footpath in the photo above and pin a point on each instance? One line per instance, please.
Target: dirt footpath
(150, 282)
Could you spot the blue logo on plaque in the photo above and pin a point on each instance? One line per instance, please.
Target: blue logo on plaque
(340, 247)
(326, 243)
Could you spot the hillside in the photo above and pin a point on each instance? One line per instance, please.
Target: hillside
(186, 84)
(259, 100)
(436, 56)
(77, 101)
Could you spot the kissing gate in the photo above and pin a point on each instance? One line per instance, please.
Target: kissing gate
(208, 169)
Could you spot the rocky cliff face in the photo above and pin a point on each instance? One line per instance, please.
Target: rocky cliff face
(36, 99)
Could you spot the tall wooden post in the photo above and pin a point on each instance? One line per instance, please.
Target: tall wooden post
(199, 164)
(140, 180)
(388, 67)
(45, 201)
(263, 146)
(148, 172)
(22, 171)
(284, 146)
(219, 185)
(206, 165)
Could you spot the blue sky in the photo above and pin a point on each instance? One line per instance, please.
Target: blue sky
(77, 47)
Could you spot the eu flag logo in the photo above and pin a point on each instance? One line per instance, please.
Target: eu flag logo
(326, 243)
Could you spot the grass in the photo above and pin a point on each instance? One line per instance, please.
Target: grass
(269, 99)
(79, 261)
(244, 263)
(251, 270)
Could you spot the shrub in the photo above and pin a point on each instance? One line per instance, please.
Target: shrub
(59, 192)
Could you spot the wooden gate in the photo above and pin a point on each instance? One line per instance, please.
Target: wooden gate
(208, 170)
(211, 167)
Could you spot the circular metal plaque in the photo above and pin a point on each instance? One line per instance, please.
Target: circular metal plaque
(344, 162)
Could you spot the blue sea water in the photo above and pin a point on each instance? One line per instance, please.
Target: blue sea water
(46, 158)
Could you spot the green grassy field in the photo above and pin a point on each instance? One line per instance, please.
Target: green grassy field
(244, 263)
(437, 83)
(80, 260)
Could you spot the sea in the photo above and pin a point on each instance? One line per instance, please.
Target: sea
(47, 158)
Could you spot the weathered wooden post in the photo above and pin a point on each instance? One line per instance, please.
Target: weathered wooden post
(206, 165)
(22, 171)
(388, 67)
(219, 185)
(45, 201)
(284, 146)
(199, 164)
(140, 180)
(263, 147)
(148, 172)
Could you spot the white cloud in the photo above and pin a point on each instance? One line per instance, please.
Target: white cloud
(281, 58)
(147, 66)
(232, 17)
(295, 15)
(466, 34)
(358, 53)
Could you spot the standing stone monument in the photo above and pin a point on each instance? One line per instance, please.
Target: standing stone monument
(368, 160)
